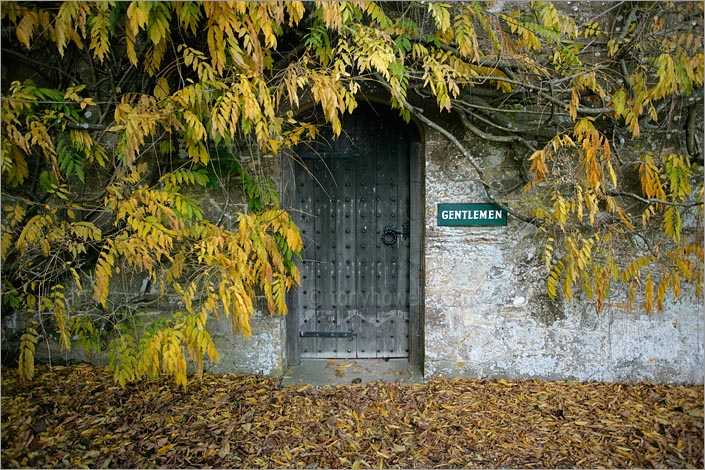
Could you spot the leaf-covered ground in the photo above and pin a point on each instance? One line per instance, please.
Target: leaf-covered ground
(76, 417)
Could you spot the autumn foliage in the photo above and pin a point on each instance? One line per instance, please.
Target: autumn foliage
(142, 102)
(77, 417)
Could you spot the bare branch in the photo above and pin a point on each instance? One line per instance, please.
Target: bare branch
(39, 65)
(690, 132)
(491, 137)
(655, 200)
(86, 126)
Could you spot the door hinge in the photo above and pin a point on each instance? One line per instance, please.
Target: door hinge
(327, 334)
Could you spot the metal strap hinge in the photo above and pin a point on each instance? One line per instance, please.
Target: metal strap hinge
(327, 334)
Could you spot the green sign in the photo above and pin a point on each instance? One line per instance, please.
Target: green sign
(471, 215)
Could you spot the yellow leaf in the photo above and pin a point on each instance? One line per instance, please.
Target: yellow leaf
(25, 28)
(166, 448)
(161, 89)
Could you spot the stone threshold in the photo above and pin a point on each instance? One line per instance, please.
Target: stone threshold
(332, 372)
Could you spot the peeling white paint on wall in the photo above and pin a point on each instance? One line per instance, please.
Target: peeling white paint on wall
(261, 353)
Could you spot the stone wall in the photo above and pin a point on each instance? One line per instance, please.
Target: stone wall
(487, 312)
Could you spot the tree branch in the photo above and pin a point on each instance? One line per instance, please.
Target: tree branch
(86, 126)
(39, 65)
(491, 137)
(505, 66)
(497, 119)
(539, 91)
(655, 200)
(690, 133)
(290, 56)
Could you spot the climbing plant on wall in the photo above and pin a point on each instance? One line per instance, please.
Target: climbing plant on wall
(111, 111)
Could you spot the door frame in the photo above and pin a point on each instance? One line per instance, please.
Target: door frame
(416, 248)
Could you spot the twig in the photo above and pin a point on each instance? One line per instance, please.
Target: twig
(86, 126)
(38, 65)
(655, 200)
(492, 137)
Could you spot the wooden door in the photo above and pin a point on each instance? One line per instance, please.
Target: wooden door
(351, 200)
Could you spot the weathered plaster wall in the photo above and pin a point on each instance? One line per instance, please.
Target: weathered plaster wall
(487, 314)
(261, 353)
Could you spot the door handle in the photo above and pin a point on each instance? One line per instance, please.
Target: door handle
(390, 234)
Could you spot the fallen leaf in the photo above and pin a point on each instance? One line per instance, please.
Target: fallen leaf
(76, 416)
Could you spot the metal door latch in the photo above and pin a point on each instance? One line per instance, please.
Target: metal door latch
(390, 234)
